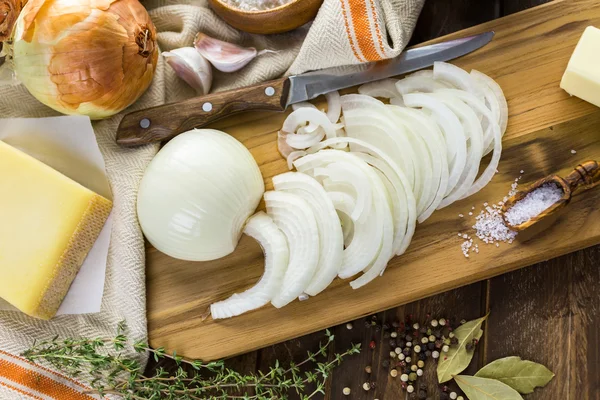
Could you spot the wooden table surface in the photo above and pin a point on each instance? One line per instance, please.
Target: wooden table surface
(548, 313)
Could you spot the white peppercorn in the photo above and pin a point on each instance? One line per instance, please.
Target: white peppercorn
(346, 391)
(398, 350)
(435, 354)
(419, 372)
(366, 386)
(394, 373)
(410, 388)
(394, 334)
(434, 322)
(404, 377)
(453, 395)
(446, 348)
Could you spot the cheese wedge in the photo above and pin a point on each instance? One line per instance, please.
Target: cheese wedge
(48, 224)
(582, 77)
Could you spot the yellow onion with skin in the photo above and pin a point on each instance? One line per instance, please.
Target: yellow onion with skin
(86, 57)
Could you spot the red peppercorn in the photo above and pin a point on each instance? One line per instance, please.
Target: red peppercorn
(372, 345)
(404, 385)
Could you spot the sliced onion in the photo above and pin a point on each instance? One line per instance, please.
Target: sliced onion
(399, 177)
(474, 132)
(418, 84)
(457, 76)
(334, 106)
(483, 79)
(294, 155)
(348, 174)
(275, 248)
(303, 140)
(282, 146)
(304, 115)
(425, 129)
(478, 106)
(397, 101)
(454, 133)
(310, 127)
(296, 220)
(328, 225)
(385, 88)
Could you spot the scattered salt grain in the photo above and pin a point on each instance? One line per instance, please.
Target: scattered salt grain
(460, 215)
(573, 152)
(303, 297)
(522, 172)
(470, 213)
(533, 204)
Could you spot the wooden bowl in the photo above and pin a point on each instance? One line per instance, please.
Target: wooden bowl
(275, 20)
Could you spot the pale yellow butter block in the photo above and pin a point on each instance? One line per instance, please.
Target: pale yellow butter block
(582, 77)
(48, 224)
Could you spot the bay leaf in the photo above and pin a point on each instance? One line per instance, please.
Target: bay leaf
(457, 359)
(521, 375)
(485, 389)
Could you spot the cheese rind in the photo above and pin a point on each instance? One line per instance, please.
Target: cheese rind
(48, 224)
(582, 76)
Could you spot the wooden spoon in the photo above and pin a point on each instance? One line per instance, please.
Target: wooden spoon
(585, 176)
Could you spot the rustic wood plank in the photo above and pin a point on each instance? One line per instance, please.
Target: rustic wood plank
(528, 60)
(550, 313)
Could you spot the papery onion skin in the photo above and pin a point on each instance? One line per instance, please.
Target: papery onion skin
(9, 11)
(87, 57)
(197, 194)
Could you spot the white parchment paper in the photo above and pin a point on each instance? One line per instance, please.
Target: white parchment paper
(68, 144)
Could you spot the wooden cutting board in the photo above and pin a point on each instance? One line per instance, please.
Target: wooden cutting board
(527, 57)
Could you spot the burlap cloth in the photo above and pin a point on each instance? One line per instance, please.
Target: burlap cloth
(344, 32)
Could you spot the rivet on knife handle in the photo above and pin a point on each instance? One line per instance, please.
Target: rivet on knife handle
(165, 122)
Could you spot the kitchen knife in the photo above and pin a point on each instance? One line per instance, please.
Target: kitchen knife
(165, 122)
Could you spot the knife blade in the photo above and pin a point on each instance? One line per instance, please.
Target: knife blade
(165, 122)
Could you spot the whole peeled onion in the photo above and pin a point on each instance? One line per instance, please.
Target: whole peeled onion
(88, 57)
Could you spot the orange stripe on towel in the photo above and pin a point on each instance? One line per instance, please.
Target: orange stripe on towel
(20, 391)
(362, 28)
(377, 27)
(349, 31)
(38, 382)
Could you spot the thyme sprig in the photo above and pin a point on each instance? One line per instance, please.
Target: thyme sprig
(108, 371)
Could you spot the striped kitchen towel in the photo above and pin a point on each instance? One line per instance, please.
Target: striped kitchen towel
(21, 379)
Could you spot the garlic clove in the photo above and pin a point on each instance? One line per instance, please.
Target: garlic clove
(190, 66)
(224, 56)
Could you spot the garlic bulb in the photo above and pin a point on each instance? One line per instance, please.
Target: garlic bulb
(85, 57)
(190, 66)
(224, 56)
(196, 195)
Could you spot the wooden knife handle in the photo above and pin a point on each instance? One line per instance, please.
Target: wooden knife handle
(167, 121)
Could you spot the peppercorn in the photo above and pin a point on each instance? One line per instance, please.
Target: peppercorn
(372, 345)
(394, 373)
(444, 396)
(408, 359)
(386, 335)
(424, 340)
(423, 330)
(460, 398)
(377, 328)
(431, 338)
(349, 326)
(413, 396)
(415, 334)
(451, 335)
(423, 355)
(469, 346)
(367, 324)
(423, 387)
(408, 344)
(431, 345)
(419, 372)
(346, 391)
(392, 343)
(408, 338)
(366, 386)
(417, 349)
(453, 395)
(402, 364)
(439, 344)
(434, 322)
(447, 341)
(402, 343)
(401, 356)
(428, 353)
(386, 327)
(373, 384)
(397, 350)
(435, 354)
(437, 333)
(420, 363)
(395, 324)
(368, 369)
(446, 348)
(394, 334)
(442, 322)
(406, 352)
(410, 388)
(414, 368)
(393, 354)
(385, 363)
(416, 326)
(445, 388)
(412, 376)
(404, 377)
(422, 395)
(454, 341)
